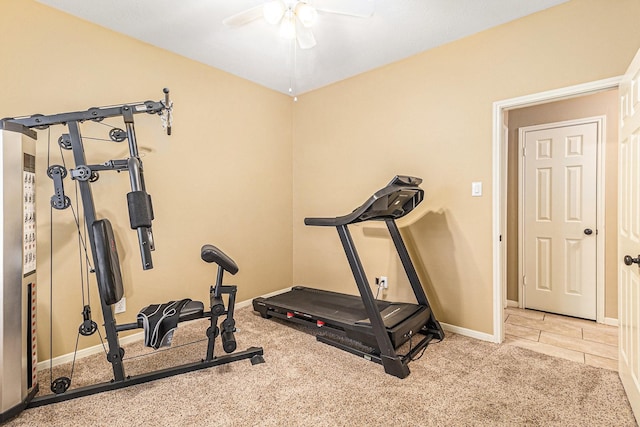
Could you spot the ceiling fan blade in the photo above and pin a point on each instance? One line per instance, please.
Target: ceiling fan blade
(243, 17)
(304, 35)
(359, 8)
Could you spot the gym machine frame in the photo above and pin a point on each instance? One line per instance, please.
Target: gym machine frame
(141, 214)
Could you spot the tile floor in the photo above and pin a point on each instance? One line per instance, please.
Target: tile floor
(579, 340)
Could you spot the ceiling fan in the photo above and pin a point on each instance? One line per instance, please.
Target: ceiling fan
(296, 17)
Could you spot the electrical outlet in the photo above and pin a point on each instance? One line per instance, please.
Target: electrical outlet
(120, 306)
(384, 283)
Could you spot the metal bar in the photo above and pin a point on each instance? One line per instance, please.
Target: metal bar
(127, 326)
(127, 115)
(217, 290)
(409, 268)
(211, 336)
(138, 325)
(89, 210)
(393, 364)
(136, 177)
(145, 241)
(145, 237)
(379, 330)
(117, 165)
(365, 355)
(168, 105)
(140, 379)
(133, 164)
(231, 290)
(150, 107)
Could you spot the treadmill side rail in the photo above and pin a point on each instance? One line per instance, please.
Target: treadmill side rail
(260, 306)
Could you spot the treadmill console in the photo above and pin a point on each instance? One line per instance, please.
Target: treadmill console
(397, 199)
(394, 201)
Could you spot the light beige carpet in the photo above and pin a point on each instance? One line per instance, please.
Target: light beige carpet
(458, 382)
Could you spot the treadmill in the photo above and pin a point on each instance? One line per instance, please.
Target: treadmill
(367, 322)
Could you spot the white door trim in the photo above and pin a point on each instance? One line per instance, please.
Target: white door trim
(600, 211)
(500, 164)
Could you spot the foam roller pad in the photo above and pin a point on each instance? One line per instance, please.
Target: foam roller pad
(140, 209)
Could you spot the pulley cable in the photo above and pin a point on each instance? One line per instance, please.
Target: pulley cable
(81, 263)
(50, 268)
(161, 350)
(96, 139)
(60, 384)
(88, 326)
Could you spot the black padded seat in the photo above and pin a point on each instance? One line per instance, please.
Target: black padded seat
(191, 311)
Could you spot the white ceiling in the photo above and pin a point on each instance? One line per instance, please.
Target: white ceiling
(346, 45)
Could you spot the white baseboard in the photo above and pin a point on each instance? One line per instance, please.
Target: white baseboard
(248, 302)
(138, 336)
(468, 332)
(66, 358)
(610, 321)
(511, 303)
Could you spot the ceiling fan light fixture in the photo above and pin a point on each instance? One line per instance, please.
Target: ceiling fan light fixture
(306, 13)
(273, 11)
(288, 26)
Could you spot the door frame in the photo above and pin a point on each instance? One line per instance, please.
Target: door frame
(499, 184)
(600, 228)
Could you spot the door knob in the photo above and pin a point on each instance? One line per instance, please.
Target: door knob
(588, 231)
(628, 260)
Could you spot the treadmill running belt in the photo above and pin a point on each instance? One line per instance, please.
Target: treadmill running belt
(338, 307)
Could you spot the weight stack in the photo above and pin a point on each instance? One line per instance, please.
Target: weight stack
(18, 352)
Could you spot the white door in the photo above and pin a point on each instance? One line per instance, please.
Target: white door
(559, 218)
(629, 235)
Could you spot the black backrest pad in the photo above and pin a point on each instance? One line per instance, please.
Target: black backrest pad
(108, 263)
(210, 253)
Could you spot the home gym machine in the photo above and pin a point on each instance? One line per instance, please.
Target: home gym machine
(158, 320)
(381, 325)
(18, 353)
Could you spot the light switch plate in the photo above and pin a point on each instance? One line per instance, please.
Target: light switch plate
(476, 189)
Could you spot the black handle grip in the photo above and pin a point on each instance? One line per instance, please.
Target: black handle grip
(629, 260)
(167, 104)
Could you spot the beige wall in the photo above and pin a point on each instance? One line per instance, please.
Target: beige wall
(431, 116)
(245, 165)
(599, 104)
(223, 177)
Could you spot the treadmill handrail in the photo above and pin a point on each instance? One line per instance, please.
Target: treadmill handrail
(382, 205)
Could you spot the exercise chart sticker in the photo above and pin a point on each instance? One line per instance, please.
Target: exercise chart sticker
(29, 215)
